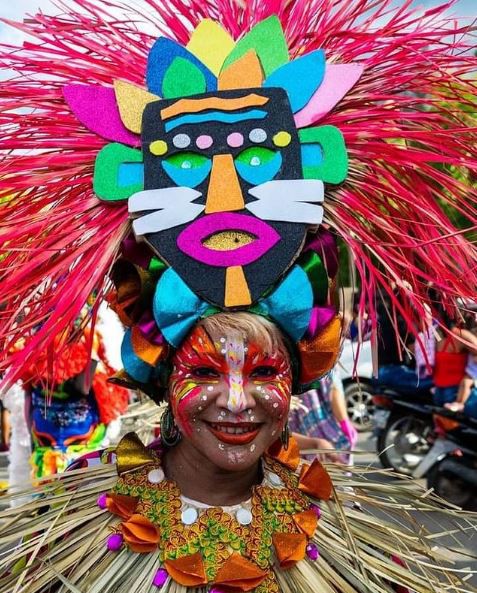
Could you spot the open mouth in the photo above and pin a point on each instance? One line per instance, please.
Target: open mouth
(232, 433)
(227, 239)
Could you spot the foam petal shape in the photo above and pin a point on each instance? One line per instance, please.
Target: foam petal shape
(131, 101)
(300, 78)
(290, 548)
(306, 522)
(162, 54)
(239, 574)
(316, 481)
(121, 505)
(244, 73)
(289, 457)
(339, 79)
(269, 43)
(175, 307)
(187, 570)
(211, 44)
(183, 79)
(140, 534)
(332, 166)
(291, 303)
(96, 108)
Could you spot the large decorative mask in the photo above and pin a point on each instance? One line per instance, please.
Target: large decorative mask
(222, 173)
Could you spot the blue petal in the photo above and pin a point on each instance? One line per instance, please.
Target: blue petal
(300, 78)
(187, 177)
(162, 54)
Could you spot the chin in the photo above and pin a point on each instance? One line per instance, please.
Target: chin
(233, 458)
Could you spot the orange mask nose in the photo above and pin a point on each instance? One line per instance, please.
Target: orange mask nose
(224, 193)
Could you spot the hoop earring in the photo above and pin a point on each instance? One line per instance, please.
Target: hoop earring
(285, 437)
(170, 434)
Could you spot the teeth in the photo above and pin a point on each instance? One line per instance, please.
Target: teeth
(232, 429)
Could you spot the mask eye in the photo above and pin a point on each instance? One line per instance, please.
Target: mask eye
(205, 373)
(187, 169)
(264, 372)
(258, 164)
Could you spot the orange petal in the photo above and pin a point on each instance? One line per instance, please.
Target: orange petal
(289, 458)
(239, 574)
(140, 534)
(290, 548)
(306, 522)
(316, 481)
(318, 355)
(121, 505)
(187, 570)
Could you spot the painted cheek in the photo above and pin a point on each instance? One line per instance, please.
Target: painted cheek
(185, 401)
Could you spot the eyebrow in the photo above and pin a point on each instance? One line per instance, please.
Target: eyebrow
(226, 118)
(184, 106)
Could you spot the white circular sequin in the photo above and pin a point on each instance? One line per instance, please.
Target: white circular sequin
(252, 448)
(181, 141)
(204, 398)
(274, 479)
(275, 405)
(189, 516)
(155, 476)
(257, 135)
(210, 388)
(244, 516)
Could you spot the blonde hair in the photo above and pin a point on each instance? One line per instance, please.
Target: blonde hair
(251, 328)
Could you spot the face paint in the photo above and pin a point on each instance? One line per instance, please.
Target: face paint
(234, 357)
(229, 398)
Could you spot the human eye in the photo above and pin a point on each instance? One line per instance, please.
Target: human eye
(258, 164)
(204, 372)
(264, 372)
(187, 168)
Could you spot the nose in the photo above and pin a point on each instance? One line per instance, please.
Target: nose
(237, 399)
(224, 193)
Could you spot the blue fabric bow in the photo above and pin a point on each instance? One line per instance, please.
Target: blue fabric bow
(176, 308)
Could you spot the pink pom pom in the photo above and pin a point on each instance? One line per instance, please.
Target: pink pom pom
(160, 577)
(114, 542)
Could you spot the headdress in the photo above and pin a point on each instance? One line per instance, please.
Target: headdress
(221, 141)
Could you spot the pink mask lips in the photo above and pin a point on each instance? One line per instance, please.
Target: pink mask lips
(190, 241)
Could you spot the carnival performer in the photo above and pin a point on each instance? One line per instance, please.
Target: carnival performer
(224, 277)
(73, 410)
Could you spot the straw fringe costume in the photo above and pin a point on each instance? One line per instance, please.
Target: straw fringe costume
(220, 134)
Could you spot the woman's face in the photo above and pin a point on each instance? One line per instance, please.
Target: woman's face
(230, 399)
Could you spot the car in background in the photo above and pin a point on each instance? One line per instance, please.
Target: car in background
(357, 382)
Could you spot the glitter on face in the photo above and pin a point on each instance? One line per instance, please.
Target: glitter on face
(252, 448)
(210, 388)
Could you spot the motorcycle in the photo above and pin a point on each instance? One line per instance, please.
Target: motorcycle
(403, 426)
(450, 465)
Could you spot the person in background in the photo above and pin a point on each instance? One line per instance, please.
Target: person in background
(322, 422)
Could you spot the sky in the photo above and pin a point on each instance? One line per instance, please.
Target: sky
(17, 9)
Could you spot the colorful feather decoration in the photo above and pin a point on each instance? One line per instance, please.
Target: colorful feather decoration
(406, 124)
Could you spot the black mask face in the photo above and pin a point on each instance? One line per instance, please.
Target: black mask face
(212, 151)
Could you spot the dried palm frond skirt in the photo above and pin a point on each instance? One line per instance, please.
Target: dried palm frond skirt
(118, 525)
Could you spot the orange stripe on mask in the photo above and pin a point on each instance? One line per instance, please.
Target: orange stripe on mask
(197, 105)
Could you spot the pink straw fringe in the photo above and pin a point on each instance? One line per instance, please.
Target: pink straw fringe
(406, 123)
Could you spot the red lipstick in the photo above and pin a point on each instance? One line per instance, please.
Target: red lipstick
(234, 433)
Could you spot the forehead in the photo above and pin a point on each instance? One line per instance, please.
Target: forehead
(217, 115)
